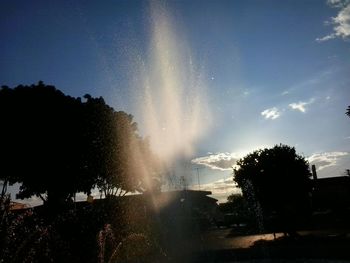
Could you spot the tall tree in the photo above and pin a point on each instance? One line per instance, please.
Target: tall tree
(123, 158)
(56, 145)
(277, 180)
(41, 142)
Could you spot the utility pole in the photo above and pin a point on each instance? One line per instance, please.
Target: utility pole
(199, 183)
(314, 173)
(198, 177)
(183, 182)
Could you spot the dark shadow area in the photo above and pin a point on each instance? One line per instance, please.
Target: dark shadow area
(132, 228)
(325, 246)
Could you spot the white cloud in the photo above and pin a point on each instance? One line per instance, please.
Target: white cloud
(341, 22)
(271, 113)
(246, 92)
(218, 161)
(325, 38)
(326, 159)
(301, 105)
(298, 106)
(337, 3)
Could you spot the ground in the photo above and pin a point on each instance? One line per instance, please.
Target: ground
(222, 245)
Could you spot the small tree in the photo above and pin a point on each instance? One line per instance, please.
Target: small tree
(275, 181)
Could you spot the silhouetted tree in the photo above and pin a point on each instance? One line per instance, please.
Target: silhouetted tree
(123, 158)
(56, 145)
(238, 204)
(41, 141)
(276, 180)
(235, 198)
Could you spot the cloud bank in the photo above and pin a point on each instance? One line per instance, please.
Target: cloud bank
(340, 23)
(218, 161)
(226, 161)
(221, 189)
(326, 159)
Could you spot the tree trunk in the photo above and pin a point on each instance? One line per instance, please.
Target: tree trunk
(4, 188)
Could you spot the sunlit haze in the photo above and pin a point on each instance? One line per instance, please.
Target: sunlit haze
(173, 107)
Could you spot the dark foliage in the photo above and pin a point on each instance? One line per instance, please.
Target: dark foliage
(42, 137)
(275, 181)
(85, 232)
(237, 204)
(56, 145)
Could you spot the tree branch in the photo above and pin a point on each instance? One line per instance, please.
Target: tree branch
(4, 188)
(42, 198)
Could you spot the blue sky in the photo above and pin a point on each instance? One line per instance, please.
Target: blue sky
(274, 71)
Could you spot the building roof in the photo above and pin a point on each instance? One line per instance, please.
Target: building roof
(339, 180)
(17, 206)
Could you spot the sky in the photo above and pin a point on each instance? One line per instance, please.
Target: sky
(249, 74)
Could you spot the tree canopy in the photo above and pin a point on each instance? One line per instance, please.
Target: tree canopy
(56, 145)
(277, 178)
